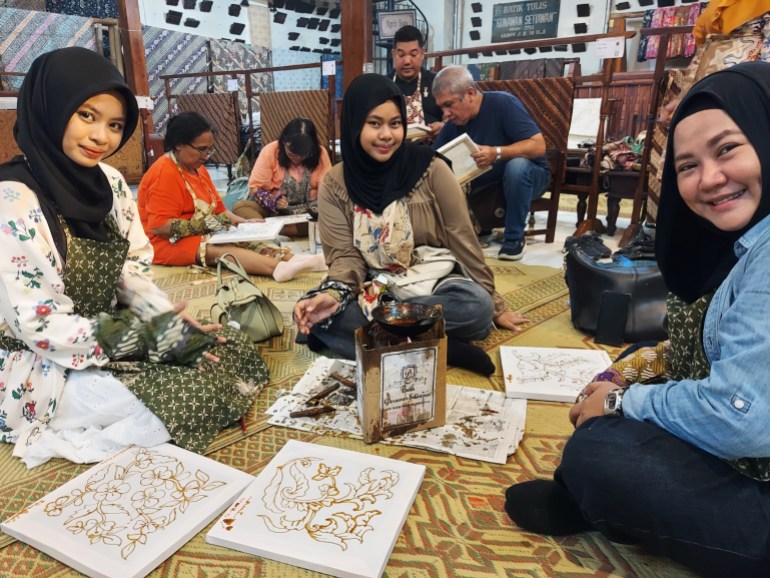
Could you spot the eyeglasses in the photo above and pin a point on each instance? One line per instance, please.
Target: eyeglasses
(203, 151)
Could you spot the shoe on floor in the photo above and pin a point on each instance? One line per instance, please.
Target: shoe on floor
(511, 250)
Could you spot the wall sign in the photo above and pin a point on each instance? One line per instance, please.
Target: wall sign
(390, 22)
(527, 20)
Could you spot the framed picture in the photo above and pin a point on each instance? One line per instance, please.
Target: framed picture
(390, 21)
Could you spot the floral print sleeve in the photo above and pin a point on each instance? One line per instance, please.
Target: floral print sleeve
(33, 305)
(265, 199)
(136, 288)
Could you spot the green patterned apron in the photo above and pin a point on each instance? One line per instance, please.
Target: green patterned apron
(194, 405)
(688, 360)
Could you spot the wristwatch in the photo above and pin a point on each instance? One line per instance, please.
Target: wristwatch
(499, 151)
(613, 402)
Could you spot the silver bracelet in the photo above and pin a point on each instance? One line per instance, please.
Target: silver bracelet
(499, 154)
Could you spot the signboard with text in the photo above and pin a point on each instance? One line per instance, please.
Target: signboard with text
(527, 20)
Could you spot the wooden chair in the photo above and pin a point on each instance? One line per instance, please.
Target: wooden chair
(549, 101)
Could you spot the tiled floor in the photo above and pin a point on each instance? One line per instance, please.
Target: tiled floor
(538, 252)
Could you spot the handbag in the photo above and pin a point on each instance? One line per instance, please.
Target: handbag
(621, 301)
(240, 302)
(430, 265)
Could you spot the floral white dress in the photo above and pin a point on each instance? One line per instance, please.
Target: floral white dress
(99, 414)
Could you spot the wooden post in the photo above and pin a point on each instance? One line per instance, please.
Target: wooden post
(657, 90)
(356, 32)
(135, 65)
(591, 223)
(133, 46)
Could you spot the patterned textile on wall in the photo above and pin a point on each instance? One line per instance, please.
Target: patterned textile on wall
(679, 44)
(25, 35)
(130, 159)
(8, 148)
(36, 5)
(718, 52)
(548, 100)
(641, 54)
(89, 8)
(168, 52)
(278, 108)
(338, 90)
(535, 68)
(226, 56)
(302, 79)
(222, 110)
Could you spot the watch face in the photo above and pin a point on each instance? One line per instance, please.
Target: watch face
(612, 402)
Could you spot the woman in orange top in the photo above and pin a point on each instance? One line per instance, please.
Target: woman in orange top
(179, 206)
(286, 176)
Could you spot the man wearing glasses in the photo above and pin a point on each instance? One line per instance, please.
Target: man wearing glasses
(509, 141)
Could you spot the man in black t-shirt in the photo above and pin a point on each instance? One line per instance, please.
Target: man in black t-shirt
(414, 80)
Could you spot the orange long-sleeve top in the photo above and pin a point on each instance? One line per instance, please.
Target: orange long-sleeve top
(724, 16)
(268, 174)
(163, 196)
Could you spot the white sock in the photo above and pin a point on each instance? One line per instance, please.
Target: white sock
(287, 270)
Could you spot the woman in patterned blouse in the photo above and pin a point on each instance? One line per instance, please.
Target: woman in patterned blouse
(76, 294)
(180, 207)
(286, 176)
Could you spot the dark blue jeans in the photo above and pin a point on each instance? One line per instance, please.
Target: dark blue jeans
(638, 484)
(468, 314)
(523, 182)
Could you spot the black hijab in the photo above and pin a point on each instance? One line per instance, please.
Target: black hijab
(694, 256)
(56, 85)
(370, 183)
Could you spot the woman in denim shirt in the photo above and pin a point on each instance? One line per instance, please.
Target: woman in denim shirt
(682, 466)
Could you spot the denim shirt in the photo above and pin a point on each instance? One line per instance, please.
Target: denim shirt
(728, 413)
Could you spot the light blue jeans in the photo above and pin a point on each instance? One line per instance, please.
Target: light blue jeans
(468, 313)
(523, 182)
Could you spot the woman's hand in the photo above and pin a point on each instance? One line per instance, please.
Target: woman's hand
(207, 328)
(590, 402)
(281, 202)
(510, 320)
(308, 312)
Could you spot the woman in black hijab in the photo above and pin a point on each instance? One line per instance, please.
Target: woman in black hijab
(682, 467)
(381, 211)
(74, 290)
(56, 85)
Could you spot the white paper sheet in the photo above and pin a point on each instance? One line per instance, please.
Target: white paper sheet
(549, 373)
(585, 121)
(481, 424)
(263, 231)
